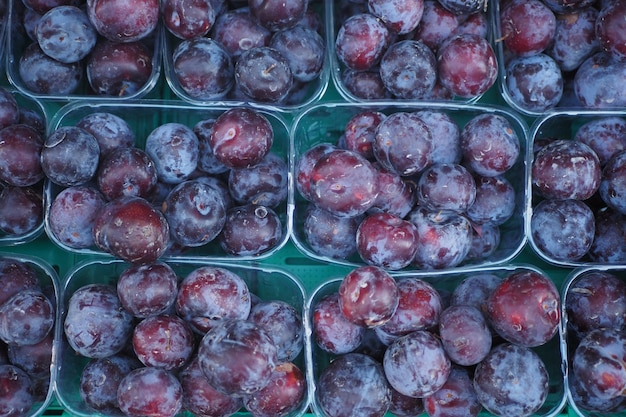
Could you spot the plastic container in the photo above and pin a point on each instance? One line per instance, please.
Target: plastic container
(143, 117)
(561, 125)
(49, 283)
(17, 41)
(570, 342)
(27, 103)
(267, 283)
(325, 123)
(308, 94)
(445, 284)
(339, 11)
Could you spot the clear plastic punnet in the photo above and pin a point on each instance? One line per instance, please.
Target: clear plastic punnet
(326, 124)
(264, 284)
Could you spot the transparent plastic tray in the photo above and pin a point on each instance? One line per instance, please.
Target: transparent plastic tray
(310, 94)
(549, 353)
(325, 122)
(144, 116)
(337, 69)
(561, 124)
(17, 41)
(267, 283)
(569, 342)
(50, 285)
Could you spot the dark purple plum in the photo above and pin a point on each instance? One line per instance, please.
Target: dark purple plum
(566, 169)
(96, 325)
(527, 27)
(396, 194)
(456, 398)
(117, 69)
(207, 162)
(534, 83)
(140, 18)
(44, 75)
(21, 210)
(70, 156)
(400, 16)
(26, 318)
(72, 214)
(264, 183)
(605, 135)
(353, 384)
(419, 308)
(446, 187)
(436, 25)
(237, 357)
(447, 147)
(65, 34)
(596, 299)
(408, 69)
(35, 359)
(416, 364)
(511, 380)
(386, 240)
(202, 399)
(608, 242)
(188, 19)
(283, 323)
(174, 149)
(277, 14)
(465, 334)
(16, 276)
(467, 65)
(485, 241)
(609, 29)
(150, 391)
(495, 201)
(250, 230)
(398, 133)
(304, 167)
(163, 341)
(20, 155)
(196, 213)
(490, 144)
(110, 130)
(344, 183)
(360, 131)
(361, 41)
(304, 49)
(525, 308)
(283, 394)
(575, 38)
(148, 290)
(238, 31)
(100, 379)
(209, 295)
(9, 109)
(368, 296)
(131, 229)
(330, 235)
(16, 397)
(366, 85)
(241, 137)
(596, 84)
(263, 74)
(474, 290)
(563, 229)
(332, 331)
(126, 171)
(612, 185)
(203, 68)
(444, 238)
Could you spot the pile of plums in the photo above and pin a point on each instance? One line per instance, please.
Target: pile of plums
(22, 133)
(413, 49)
(562, 53)
(217, 182)
(27, 322)
(261, 51)
(595, 304)
(400, 345)
(578, 212)
(158, 343)
(108, 45)
(409, 188)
